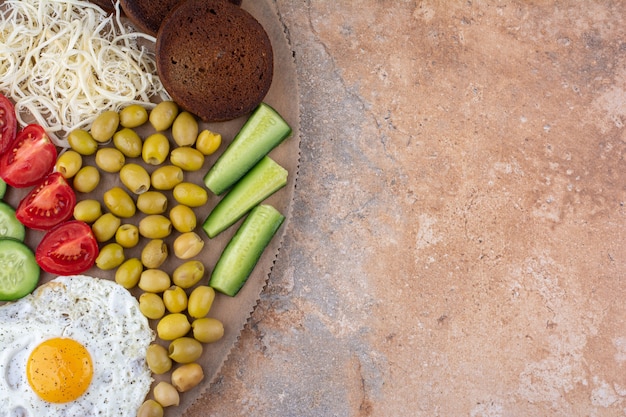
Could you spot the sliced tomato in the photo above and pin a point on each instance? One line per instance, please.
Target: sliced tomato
(51, 202)
(8, 123)
(29, 158)
(67, 249)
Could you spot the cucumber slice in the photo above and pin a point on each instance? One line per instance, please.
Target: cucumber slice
(260, 182)
(263, 131)
(245, 248)
(10, 226)
(19, 272)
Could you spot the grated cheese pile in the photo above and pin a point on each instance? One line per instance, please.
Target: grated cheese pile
(65, 62)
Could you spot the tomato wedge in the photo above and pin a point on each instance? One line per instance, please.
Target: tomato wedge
(67, 249)
(8, 123)
(51, 202)
(29, 158)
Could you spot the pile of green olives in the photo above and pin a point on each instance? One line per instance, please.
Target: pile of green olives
(134, 215)
(130, 158)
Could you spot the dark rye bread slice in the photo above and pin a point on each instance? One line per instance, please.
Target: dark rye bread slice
(214, 59)
(106, 5)
(147, 15)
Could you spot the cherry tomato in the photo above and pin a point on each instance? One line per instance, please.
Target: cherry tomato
(8, 123)
(67, 249)
(51, 202)
(29, 158)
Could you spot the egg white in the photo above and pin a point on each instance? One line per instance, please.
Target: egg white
(101, 315)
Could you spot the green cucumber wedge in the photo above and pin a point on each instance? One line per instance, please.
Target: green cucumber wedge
(263, 131)
(265, 178)
(244, 250)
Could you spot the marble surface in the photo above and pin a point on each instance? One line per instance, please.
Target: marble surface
(457, 239)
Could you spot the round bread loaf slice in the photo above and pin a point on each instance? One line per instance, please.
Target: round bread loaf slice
(214, 59)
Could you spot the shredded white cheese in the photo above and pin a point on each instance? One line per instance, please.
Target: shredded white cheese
(65, 62)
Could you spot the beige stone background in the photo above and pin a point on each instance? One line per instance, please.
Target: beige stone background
(457, 239)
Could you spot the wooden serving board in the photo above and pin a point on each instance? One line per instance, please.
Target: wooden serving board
(232, 311)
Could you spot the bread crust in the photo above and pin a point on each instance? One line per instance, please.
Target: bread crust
(214, 59)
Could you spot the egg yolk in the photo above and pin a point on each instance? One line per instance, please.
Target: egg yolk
(59, 370)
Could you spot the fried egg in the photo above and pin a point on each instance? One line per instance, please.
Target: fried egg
(75, 347)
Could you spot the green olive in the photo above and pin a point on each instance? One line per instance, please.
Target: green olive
(157, 358)
(135, 178)
(128, 273)
(110, 159)
(155, 226)
(166, 394)
(105, 227)
(127, 235)
(155, 149)
(208, 142)
(175, 299)
(166, 177)
(88, 211)
(172, 326)
(190, 194)
(187, 245)
(154, 280)
(68, 163)
(154, 253)
(207, 330)
(133, 116)
(185, 129)
(128, 142)
(150, 408)
(86, 179)
(110, 256)
(119, 202)
(82, 142)
(105, 125)
(151, 305)
(187, 376)
(152, 202)
(185, 350)
(188, 274)
(183, 218)
(163, 115)
(200, 301)
(189, 159)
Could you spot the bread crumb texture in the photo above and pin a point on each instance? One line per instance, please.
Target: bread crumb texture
(214, 59)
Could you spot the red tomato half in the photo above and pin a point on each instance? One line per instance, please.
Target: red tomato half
(8, 123)
(51, 202)
(69, 248)
(29, 158)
